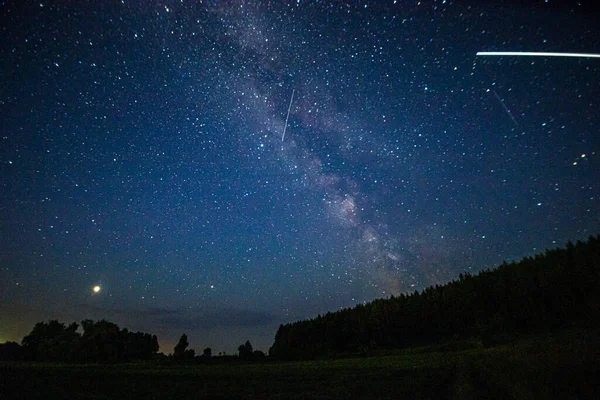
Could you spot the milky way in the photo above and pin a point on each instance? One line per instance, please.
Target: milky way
(219, 169)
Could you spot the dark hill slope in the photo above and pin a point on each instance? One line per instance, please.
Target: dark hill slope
(550, 291)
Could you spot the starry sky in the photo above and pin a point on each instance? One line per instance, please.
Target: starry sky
(142, 151)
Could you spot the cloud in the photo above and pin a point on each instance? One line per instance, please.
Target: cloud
(146, 313)
(186, 319)
(222, 318)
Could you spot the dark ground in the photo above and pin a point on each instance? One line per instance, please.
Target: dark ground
(560, 366)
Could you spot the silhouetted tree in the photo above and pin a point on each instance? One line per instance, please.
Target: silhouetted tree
(180, 347)
(189, 354)
(11, 351)
(258, 355)
(139, 345)
(207, 353)
(101, 341)
(245, 351)
(51, 341)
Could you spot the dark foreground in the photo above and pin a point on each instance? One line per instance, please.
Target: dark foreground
(560, 366)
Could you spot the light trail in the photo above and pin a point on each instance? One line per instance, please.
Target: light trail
(506, 109)
(536, 54)
(288, 115)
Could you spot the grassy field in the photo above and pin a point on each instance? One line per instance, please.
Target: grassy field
(561, 366)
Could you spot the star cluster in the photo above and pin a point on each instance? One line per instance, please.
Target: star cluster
(141, 152)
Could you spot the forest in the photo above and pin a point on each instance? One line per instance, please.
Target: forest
(105, 342)
(554, 290)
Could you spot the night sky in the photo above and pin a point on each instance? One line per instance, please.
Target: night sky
(141, 151)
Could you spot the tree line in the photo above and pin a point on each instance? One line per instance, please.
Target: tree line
(182, 353)
(104, 342)
(100, 342)
(549, 291)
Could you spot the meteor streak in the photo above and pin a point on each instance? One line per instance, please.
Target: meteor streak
(288, 115)
(536, 54)
(506, 109)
